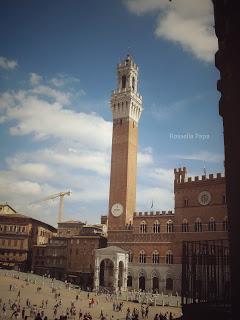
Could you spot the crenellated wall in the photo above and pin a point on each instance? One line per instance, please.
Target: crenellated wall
(152, 213)
(180, 177)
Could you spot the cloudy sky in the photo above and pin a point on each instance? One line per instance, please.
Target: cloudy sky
(57, 70)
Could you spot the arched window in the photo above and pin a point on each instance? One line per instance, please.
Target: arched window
(185, 202)
(129, 281)
(143, 227)
(155, 257)
(169, 257)
(169, 226)
(141, 281)
(198, 225)
(185, 225)
(169, 284)
(156, 227)
(133, 83)
(211, 224)
(225, 224)
(142, 256)
(124, 81)
(130, 256)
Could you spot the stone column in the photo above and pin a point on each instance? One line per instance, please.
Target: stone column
(148, 282)
(135, 280)
(125, 275)
(96, 274)
(115, 278)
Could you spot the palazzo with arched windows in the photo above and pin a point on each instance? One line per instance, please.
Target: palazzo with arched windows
(151, 240)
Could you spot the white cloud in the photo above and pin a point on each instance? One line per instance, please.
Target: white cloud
(57, 82)
(34, 78)
(192, 34)
(186, 22)
(77, 155)
(58, 96)
(155, 183)
(43, 119)
(7, 64)
(62, 79)
(145, 158)
(14, 189)
(142, 6)
(202, 156)
(86, 159)
(74, 154)
(165, 177)
(30, 170)
(86, 191)
(19, 192)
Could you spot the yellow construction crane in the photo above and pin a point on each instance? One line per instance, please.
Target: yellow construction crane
(61, 204)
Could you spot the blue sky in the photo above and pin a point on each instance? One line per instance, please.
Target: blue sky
(57, 70)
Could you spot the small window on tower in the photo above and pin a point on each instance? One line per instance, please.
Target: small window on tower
(133, 83)
(124, 80)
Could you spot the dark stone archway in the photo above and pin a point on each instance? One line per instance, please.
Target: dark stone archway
(142, 282)
(106, 274)
(169, 284)
(155, 284)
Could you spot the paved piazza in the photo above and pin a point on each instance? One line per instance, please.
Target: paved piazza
(29, 284)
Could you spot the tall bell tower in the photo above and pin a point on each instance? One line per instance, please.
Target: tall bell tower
(126, 105)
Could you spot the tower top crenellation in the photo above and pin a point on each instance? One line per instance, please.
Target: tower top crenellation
(128, 62)
(181, 177)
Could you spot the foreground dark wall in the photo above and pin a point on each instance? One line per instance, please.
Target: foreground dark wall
(227, 28)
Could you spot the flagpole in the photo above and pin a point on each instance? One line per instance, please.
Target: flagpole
(151, 205)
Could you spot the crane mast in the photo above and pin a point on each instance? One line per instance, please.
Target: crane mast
(61, 196)
(61, 204)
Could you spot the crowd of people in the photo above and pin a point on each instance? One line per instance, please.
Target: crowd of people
(53, 306)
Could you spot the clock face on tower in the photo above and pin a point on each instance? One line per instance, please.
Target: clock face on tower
(117, 209)
(204, 198)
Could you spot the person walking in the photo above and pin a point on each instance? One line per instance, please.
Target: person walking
(23, 313)
(146, 311)
(80, 314)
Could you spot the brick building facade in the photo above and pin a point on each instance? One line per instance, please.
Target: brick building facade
(70, 254)
(153, 240)
(51, 259)
(18, 235)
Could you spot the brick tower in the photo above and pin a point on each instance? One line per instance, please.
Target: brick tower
(126, 105)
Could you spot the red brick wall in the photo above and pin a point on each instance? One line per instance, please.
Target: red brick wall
(123, 172)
